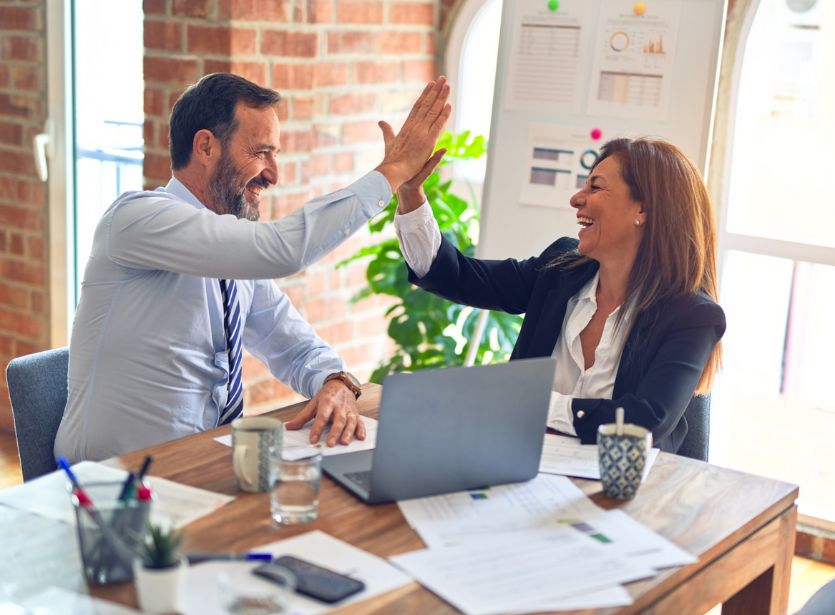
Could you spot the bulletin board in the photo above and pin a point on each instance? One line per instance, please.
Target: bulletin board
(573, 74)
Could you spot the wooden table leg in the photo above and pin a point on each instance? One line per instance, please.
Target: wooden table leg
(769, 592)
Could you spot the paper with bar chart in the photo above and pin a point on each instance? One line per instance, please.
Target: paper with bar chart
(545, 56)
(633, 59)
(558, 162)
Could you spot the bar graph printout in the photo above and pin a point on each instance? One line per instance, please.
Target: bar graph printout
(559, 160)
(545, 56)
(546, 502)
(634, 57)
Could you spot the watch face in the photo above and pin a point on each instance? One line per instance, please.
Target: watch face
(353, 379)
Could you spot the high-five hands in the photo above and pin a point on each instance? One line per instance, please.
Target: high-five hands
(409, 152)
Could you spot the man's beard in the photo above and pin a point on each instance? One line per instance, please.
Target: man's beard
(227, 193)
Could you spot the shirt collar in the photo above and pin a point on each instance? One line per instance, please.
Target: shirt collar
(589, 290)
(177, 188)
(589, 293)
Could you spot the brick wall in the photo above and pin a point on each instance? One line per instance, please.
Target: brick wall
(24, 319)
(340, 66)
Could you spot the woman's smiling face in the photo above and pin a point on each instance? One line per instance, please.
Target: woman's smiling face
(608, 214)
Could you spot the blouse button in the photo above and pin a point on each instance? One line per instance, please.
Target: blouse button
(581, 414)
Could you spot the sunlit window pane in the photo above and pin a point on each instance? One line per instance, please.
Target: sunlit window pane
(477, 74)
(782, 155)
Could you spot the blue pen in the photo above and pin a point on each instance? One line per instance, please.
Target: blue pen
(196, 558)
(65, 466)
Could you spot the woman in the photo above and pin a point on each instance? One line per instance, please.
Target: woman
(629, 310)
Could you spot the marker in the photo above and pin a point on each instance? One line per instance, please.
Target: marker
(84, 501)
(144, 468)
(127, 488)
(639, 9)
(196, 558)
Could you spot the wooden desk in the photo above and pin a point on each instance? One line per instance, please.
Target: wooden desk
(740, 526)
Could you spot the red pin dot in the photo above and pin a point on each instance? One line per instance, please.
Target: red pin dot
(596, 133)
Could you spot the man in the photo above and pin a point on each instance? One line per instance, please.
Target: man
(175, 285)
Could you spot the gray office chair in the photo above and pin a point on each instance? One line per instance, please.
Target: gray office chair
(38, 392)
(822, 601)
(697, 440)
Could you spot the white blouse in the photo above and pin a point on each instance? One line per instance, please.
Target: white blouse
(420, 240)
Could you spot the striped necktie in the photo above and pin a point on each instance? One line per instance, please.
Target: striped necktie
(232, 324)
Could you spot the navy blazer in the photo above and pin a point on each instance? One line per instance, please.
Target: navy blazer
(663, 357)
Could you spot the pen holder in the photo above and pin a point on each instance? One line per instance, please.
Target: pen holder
(110, 532)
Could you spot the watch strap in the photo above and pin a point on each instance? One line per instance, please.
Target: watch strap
(349, 380)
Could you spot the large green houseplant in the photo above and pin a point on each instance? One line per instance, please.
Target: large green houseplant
(429, 331)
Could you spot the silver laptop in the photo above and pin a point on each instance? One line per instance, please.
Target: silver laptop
(452, 429)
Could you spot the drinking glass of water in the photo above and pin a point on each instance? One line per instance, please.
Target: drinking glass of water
(243, 593)
(296, 472)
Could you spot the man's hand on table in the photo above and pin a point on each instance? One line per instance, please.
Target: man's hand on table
(336, 403)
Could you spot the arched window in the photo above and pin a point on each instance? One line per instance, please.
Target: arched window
(774, 408)
(471, 52)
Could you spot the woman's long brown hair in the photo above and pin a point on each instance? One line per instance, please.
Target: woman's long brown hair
(677, 254)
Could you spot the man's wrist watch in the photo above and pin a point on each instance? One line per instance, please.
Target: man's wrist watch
(349, 380)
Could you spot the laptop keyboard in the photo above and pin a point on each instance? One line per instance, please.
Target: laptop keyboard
(360, 479)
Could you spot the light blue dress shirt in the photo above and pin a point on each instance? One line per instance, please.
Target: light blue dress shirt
(148, 359)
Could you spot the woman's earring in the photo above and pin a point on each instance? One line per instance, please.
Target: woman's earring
(637, 222)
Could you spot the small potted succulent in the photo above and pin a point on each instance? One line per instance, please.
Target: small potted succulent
(159, 571)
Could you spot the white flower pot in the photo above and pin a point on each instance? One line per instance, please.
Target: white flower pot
(159, 590)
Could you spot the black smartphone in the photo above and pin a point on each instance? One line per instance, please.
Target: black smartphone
(312, 580)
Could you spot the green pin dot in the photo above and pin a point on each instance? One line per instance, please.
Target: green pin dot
(553, 5)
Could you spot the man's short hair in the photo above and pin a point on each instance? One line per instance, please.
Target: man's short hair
(210, 104)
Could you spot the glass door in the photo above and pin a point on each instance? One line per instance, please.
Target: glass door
(108, 101)
(95, 138)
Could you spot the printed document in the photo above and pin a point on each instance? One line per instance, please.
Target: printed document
(456, 517)
(203, 596)
(566, 456)
(301, 437)
(521, 571)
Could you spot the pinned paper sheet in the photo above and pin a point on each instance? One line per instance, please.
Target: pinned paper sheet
(558, 162)
(545, 62)
(634, 59)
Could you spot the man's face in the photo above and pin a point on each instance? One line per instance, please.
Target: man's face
(247, 163)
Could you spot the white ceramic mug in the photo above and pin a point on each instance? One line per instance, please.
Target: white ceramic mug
(253, 437)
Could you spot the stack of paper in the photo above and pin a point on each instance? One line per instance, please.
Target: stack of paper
(540, 545)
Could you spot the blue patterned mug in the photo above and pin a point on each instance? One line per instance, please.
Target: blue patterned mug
(622, 459)
(253, 437)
